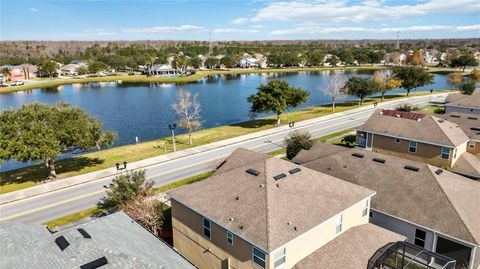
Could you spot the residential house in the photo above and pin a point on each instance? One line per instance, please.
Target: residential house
(69, 69)
(164, 70)
(20, 72)
(248, 61)
(262, 212)
(464, 103)
(433, 208)
(415, 136)
(113, 241)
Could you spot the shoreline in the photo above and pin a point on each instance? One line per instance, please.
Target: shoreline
(198, 75)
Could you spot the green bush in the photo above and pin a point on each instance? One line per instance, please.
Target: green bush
(407, 108)
(440, 110)
(468, 87)
(349, 140)
(297, 141)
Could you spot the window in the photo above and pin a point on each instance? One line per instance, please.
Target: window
(412, 146)
(397, 140)
(230, 238)
(258, 257)
(207, 228)
(455, 153)
(420, 238)
(279, 258)
(471, 144)
(365, 208)
(445, 153)
(338, 221)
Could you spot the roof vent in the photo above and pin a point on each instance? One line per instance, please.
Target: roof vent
(411, 168)
(236, 197)
(358, 155)
(95, 263)
(280, 176)
(253, 172)
(230, 219)
(295, 161)
(294, 170)
(455, 116)
(472, 118)
(61, 242)
(84, 233)
(475, 129)
(241, 227)
(379, 160)
(439, 171)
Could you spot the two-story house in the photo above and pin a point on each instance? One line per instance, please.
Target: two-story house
(434, 208)
(262, 212)
(414, 136)
(463, 103)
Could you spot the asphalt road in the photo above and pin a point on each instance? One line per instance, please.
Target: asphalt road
(49, 206)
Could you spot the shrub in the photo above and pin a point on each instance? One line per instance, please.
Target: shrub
(297, 141)
(440, 110)
(349, 140)
(407, 108)
(468, 87)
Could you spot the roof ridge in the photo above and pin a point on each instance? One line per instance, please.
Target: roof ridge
(451, 203)
(267, 211)
(435, 120)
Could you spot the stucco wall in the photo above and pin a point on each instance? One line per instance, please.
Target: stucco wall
(476, 149)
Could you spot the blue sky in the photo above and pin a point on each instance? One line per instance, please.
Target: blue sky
(237, 20)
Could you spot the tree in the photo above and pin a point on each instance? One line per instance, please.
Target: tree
(6, 72)
(468, 87)
(464, 60)
(360, 87)
(96, 67)
(188, 109)
(333, 61)
(195, 62)
(148, 212)
(455, 78)
(48, 67)
(149, 62)
(386, 81)
(37, 132)
(475, 75)
(375, 56)
(212, 62)
(180, 62)
(276, 96)
(346, 56)
(334, 88)
(297, 141)
(81, 70)
(412, 77)
(228, 62)
(314, 58)
(361, 58)
(407, 108)
(417, 58)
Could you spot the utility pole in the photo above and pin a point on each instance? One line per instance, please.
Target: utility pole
(210, 46)
(398, 40)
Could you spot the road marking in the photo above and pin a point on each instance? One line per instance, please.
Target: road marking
(51, 205)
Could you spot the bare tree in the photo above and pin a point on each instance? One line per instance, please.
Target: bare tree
(188, 109)
(334, 88)
(148, 212)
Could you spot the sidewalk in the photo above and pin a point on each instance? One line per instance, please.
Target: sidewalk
(84, 178)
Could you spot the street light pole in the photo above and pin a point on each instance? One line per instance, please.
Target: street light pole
(172, 128)
(430, 98)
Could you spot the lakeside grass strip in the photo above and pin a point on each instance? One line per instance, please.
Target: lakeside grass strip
(30, 176)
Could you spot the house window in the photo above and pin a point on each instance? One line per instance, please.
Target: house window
(471, 144)
(279, 258)
(397, 140)
(258, 257)
(420, 238)
(338, 221)
(445, 153)
(365, 208)
(412, 146)
(230, 238)
(207, 228)
(455, 153)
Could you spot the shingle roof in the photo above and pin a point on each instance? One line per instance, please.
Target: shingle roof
(421, 197)
(428, 129)
(262, 207)
(351, 249)
(464, 100)
(468, 163)
(469, 123)
(121, 240)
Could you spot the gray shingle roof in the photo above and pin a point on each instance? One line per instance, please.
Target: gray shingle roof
(464, 100)
(121, 240)
(466, 121)
(265, 206)
(428, 129)
(448, 203)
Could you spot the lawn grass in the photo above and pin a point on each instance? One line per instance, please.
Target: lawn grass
(26, 177)
(182, 182)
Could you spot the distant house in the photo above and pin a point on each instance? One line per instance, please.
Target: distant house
(20, 72)
(164, 70)
(433, 208)
(463, 103)
(248, 61)
(69, 69)
(414, 136)
(263, 212)
(113, 241)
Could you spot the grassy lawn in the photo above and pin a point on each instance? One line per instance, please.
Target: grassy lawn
(30, 176)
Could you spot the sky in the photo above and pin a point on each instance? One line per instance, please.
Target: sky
(237, 20)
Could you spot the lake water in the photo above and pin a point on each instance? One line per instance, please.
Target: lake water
(144, 110)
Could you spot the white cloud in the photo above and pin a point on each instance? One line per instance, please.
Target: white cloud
(240, 21)
(98, 31)
(234, 31)
(327, 30)
(165, 29)
(32, 9)
(338, 11)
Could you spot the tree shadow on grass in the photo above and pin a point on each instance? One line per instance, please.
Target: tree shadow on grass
(255, 123)
(39, 173)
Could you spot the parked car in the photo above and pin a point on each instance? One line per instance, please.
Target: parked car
(17, 83)
(3, 85)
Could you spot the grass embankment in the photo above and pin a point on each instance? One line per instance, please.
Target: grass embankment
(199, 74)
(33, 175)
(96, 211)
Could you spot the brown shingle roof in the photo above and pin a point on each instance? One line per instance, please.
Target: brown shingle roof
(419, 197)
(468, 163)
(266, 206)
(466, 121)
(464, 100)
(428, 129)
(351, 249)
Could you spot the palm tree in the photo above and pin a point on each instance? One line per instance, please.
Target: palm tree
(149, 62)
(6, 72)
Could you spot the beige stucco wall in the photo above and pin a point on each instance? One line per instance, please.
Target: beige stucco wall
(460, 150)
(476, 149)
(307, 243)
(425, 152)
(207, 253)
